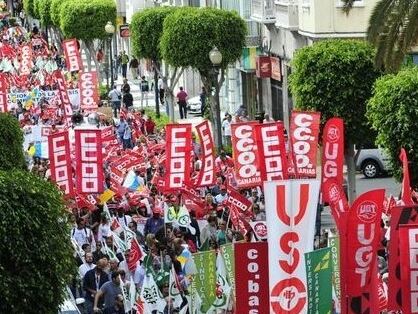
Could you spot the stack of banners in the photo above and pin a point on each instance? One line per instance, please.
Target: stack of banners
(26, 63)
(251, 271)
(400, 216)
(3, 93)
(205, 278)
(60, 161)
(179, 155)
(89, 161)
(360, 251)
(89, 94)
(334, 245)
(332, 153)
(304, 131)
(291, 210)
(72, 55)
(62, 89)
(408, 250)
(207, 172)
(318, 276)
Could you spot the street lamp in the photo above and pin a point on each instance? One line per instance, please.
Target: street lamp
(215, 57)
(110, 29)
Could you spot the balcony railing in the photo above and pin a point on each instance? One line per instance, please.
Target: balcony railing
(262, 11)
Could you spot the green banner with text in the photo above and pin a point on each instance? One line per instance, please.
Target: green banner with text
(334, 245)
(206, 278)
(319, 275)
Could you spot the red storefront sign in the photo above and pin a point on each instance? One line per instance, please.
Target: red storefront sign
(276, 69)
(263, 67)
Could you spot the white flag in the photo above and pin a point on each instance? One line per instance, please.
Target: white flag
(174, 291)
(151, 295)
(223, 289)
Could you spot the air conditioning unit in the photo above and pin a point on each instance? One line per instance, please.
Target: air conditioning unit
(262, 11)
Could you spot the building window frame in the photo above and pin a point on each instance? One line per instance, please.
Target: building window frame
(356, 4)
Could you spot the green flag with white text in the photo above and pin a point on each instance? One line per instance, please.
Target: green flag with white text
(334, 244)
(206, 278)
(319, 275)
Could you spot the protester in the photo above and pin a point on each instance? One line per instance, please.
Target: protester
(109, 291)
(93, 280)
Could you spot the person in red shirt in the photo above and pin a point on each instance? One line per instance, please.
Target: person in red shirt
(182, 101)
(149, 126)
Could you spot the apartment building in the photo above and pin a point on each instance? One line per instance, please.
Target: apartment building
(288, 25)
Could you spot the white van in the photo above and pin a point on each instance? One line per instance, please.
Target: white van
(372, 161)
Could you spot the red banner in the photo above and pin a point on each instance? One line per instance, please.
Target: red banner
(3, 93)
(406, 188)
(60, 161)
(26, 60)
(272, 151)
(338, 203)
(408, 251)
(207, 171)
(304, 130)
(179, 154)
(72, 55)
(62, 90)
(332, 153)
(363, 236)
(89, 95)
(251, 269)
(246, 159)
(89, 161)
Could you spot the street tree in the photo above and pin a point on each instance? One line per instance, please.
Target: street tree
(393, 113)
(36, 261)
(86, 20)
(336, 78)
(28, 7)
(11, 143)
(44, 9)
(189, 35)
(146, 32)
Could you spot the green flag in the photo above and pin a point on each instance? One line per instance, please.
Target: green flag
(334, 244)
(227, 251)
(206, 278)
(319, 275)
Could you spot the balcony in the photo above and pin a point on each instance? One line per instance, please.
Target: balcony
(262, 11)
(287, 15)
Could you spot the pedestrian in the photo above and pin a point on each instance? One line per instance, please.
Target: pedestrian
(182, 102)
(109, 291)
(115, 98)
(144, 89)
(124, 62)
(161, 89)
(226, 128)
(128, 100)
(127, 137)
(117, 308)
(93, 280)
(133, 66)
(126, 88)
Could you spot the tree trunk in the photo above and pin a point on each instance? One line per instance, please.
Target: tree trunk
(175, 76)
(351, 172)
(156, 90)
(92, 53)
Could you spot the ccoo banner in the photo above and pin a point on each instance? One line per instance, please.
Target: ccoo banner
(72, 55)
(207, 172)
(3, 93)
(89, 95)
(291, 210)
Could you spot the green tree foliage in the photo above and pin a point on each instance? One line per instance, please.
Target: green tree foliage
(393, 113)
(55, 10)
(36, 13)
(146, 31)
(11, 143)
(28, 7)
(86, 19)
(35, 252)
(44, 8)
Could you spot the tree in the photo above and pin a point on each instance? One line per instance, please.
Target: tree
(189, 35)
(11, 143)
(393, 30)
(44, 8)
(146, 32)
(28, 7)
(393, 113)
(36, 261)
(36, 14)
(336, 78)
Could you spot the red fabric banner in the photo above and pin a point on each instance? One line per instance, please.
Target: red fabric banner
(251, 269)
(3, 93)
(135, 254)
(332, 153)
(408, 251)
(89, 161)
(363, 236)
(245, 153)
(89, 94)
(179, 154)
(239, 201)
(60, 161)
(207, 172)
(304, 130)
(406, 187)
(62, 90)
(338, 203)
(272, 151)
(26, 60)
(72, 55)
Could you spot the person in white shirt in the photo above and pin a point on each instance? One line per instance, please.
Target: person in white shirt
(221, 196)
(267, 118)
(123, 219)
(82, 234)
(88, 264)
(226, 128)
(104, 228)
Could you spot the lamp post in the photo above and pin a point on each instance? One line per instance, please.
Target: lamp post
(110, 29)
(215, 56)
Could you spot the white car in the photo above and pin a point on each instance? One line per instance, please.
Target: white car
(194, 105)
(372, 161)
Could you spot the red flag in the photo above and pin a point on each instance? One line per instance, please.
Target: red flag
(26, 60)
(72, 55)
(135, 255)
(338, 203)
(332, 153)
(406, 187)
(3, 93)
(62, 90)
(207, 171)
(89, 94)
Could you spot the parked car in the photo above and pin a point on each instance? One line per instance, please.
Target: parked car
(372, 162)
(194, 105)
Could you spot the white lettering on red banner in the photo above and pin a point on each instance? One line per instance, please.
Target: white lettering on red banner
(304, 130)
(60, 161)
(408, 249)
(291, 211)
(89, 161)
(207, 171)
(246, 159)
(3, 93)
(62, 89)
(178, 150)
(89, 96)
(26, 61)
(72, 55)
